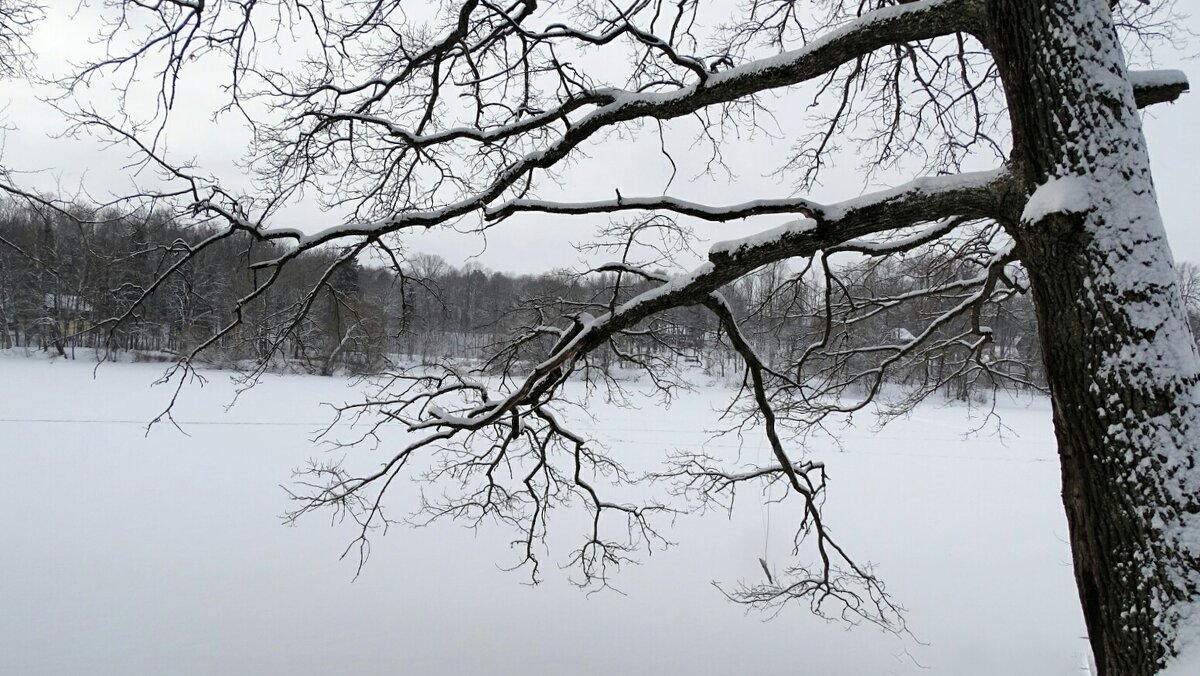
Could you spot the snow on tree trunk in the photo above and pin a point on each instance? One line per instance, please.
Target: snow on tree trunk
(1119, 356)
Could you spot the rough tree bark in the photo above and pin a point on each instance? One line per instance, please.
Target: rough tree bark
(1120, 361)
(1075, 196)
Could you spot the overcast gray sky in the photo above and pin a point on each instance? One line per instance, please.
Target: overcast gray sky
(34, 142)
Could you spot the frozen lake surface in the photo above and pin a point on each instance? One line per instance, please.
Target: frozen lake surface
(125, 554)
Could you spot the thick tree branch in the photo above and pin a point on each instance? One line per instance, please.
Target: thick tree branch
(924, 200)
(1158, 86)
(874, 30)
(815, 211)
(682, 207)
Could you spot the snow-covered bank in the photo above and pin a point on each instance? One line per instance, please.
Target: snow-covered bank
(128, 554)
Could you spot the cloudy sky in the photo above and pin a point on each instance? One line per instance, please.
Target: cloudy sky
(34, 142)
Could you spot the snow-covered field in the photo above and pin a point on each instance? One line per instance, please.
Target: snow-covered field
(125, 554)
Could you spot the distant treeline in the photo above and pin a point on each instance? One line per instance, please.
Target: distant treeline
(64, 281)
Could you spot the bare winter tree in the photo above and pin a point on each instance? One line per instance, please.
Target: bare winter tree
(404, 123)
(17, 19)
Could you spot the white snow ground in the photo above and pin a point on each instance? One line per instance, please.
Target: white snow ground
(122, 554)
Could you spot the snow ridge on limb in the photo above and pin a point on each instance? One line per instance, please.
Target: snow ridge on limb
(974, 196)
(1151, 87)
(928, 198)
(818, 215)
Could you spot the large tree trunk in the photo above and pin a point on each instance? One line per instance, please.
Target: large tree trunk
(1120, 361)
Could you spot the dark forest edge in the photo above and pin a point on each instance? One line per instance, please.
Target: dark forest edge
(67, 276)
